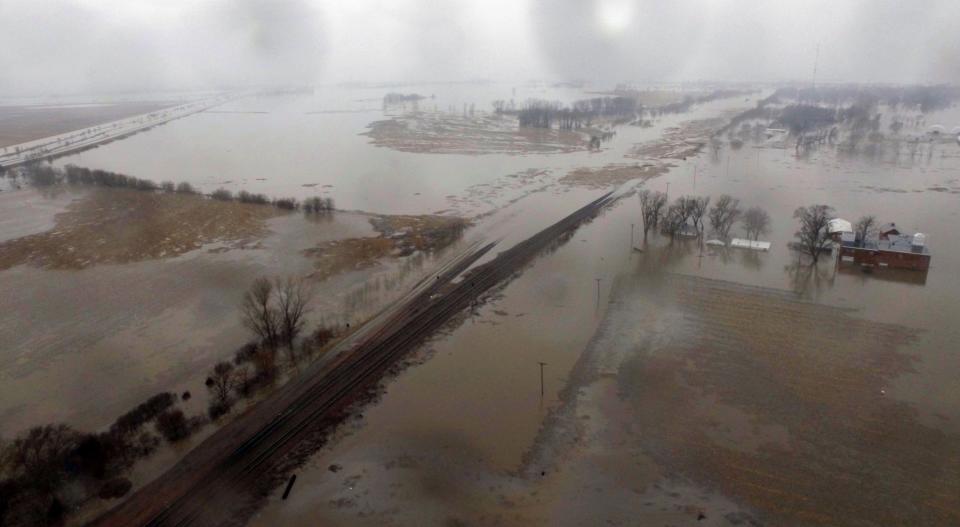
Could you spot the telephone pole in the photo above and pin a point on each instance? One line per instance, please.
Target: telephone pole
(598, 291)
(816, 59)
(542, 364)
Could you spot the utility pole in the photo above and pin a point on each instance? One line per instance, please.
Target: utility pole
(598, 291)
(816, 59)
(542, 364)
(631, 235)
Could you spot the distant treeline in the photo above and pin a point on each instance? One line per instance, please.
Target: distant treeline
(42, 174)
(689, 101)
(922, 98)
(537, 113)
(801, 110)
(397, 98)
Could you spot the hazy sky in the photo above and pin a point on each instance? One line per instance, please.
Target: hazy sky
(71, 46)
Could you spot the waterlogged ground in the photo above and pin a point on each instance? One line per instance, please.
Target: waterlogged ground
(111, 295)
(319, 145)
(683, 385)
(117, 300)
(705, 387)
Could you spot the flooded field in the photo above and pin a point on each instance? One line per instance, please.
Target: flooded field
(718, 387)
(317, 145)
(144, 287)
(681, 383)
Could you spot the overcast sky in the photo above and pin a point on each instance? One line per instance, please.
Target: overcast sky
(92, 46)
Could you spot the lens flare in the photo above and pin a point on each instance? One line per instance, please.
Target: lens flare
(614, 16)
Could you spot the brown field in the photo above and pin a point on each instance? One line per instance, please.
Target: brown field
(399, 236)
(19, 124)
(679, 142)
(612, 175)
(124, 226)
(452, 134)
(779, 405)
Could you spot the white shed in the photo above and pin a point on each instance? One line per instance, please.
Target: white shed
(740, 243)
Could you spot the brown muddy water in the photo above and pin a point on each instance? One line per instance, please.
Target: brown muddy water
(683, 384)
(84, 342)
(708, 387)
(85, 345)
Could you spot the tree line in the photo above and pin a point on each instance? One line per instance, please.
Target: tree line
(42, 174)
(538, 113)
(813, 237)
(693, 213)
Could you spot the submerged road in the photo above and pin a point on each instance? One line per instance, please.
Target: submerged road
(221, 480)
(75, 141)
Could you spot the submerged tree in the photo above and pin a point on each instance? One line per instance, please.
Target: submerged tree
(698, 208)
(221, 382)
(674, 219)
(39, 455)
(651, 207)
(865, 227)
(293, 299)
(814, 235)
(756, 221)
(258, 313)
(275, 311)
(724, 213)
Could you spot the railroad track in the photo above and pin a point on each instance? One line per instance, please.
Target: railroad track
(210, 485)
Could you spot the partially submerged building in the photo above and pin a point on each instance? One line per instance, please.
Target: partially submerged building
(893, 250)
(888, 229)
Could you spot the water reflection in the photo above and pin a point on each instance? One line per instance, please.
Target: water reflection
(807, 278)
(864, 275)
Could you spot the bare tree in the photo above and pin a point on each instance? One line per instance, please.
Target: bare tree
(698, 208)
(725, 212)
(651, 205)
(221, 382)
(258, 313)
(683, 208)
(865, 227)
(674, 219)
(293, 299)
(756, 221)
(814, 235)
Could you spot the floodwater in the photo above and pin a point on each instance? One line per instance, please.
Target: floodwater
(683, 340)
(311, 145)
(83, 346)
(464, 432)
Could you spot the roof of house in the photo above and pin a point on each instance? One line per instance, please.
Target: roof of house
(888, 227)
(839, 225)
(899, 243)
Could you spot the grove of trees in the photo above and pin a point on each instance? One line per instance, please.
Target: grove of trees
(694, 212)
